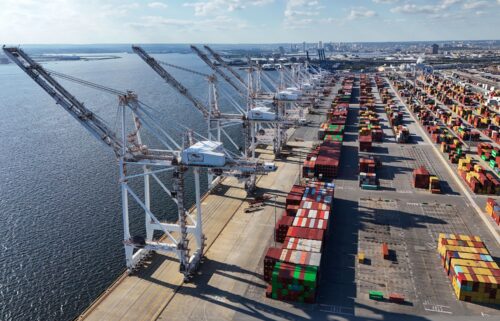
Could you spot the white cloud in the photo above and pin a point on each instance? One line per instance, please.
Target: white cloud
(157, 5)
(204, 8)
(217, 23)
(359, 13)
(385, 1)
(62, 21)
(298, 13)
(410, 8)
(476, 4)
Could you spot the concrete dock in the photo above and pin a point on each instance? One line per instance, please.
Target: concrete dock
(230, 286)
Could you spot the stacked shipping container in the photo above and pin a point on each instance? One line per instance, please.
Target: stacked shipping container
(474, 275)
(493, 209)
(293, 269)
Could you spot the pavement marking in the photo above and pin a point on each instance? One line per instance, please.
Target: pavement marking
(337, 309)
(438, 308)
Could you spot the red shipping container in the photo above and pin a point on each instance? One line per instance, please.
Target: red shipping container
(291, 210)
(272, 256)
(305, 233)
(385, 251)
(324, 215)
(293, 198)
(314, 206)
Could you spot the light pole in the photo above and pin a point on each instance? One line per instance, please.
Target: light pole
(274, 220)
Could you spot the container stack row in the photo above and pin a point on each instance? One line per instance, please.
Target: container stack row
(292, 270)
(366, 98)
(393, 111)
(369, 122)
(474, 275)
(323, 161)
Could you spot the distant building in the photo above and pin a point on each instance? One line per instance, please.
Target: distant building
(320, 44)
(282, 50)
(435, 49)
(304, 46)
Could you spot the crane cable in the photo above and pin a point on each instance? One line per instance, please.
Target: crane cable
(87, 83)
(185, 69)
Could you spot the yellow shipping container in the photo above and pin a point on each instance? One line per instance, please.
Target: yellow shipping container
(472, 263)
(489, 209)
(462, 237)
(476, 288)
(463, 249)
(463, 161)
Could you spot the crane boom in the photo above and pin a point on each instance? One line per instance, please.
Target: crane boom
(62, 97)
(223, 63)
(170, 79)
(186, 69)
(207, 60)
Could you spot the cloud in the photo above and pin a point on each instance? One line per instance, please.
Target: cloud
(204, 8)
(298, 13)
(217, 23)
(157, 5)
(359, 13)
(385, 1)
(62, 21)
(411, 8)
(476, 4)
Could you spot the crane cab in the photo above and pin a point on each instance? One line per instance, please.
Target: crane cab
(270, 167)
(287, 95)
(261, 113)
(204, 153)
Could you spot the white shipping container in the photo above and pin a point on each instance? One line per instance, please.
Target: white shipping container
(294, 243)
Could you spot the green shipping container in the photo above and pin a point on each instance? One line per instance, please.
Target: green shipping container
(376, 295)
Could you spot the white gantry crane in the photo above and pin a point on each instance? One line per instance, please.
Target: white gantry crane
(137, 160)
(216, 119)
(281, 122)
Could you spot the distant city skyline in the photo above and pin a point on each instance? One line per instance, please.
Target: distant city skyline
(242, 21)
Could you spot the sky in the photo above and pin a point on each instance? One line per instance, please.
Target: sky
(242, 21)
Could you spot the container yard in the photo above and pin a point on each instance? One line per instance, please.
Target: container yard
(331, 241)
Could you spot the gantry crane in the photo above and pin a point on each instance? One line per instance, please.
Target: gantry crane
(280, 100)
(138, 160)
(249, 118)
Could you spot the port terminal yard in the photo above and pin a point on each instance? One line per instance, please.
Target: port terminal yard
(229, 285)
